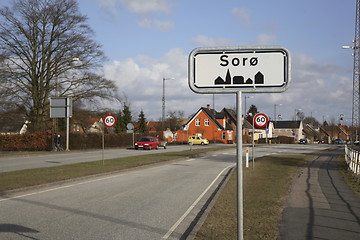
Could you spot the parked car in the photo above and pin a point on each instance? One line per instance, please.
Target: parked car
(198, 140)
(163, 144)
(147, 143)
(320, 141)
(339, 141)
(303, 141)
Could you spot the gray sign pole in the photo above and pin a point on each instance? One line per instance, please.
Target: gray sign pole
(239, 166)
(68, 115)
(239, 70)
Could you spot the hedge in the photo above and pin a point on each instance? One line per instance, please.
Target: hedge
(45, 142)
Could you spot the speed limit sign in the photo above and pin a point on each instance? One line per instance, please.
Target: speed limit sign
(109, 120)
(261, 120)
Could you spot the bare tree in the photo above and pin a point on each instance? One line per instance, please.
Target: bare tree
(46, 49)
(174, 120)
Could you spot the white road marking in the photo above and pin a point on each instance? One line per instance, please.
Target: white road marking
(172, 229)
(57, 188)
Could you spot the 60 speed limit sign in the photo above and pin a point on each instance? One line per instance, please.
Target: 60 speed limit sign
(261, 120)
(109, 120)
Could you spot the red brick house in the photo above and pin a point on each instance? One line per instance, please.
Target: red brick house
(210, 124)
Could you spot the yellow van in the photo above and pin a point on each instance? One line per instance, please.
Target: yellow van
(198, 140)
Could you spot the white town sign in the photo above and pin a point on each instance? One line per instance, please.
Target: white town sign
(233, 69)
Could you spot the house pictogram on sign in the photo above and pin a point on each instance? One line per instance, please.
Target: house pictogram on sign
(239, 80)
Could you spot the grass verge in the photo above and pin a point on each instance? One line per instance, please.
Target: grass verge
(265, 190)
(32, 177)
(348, 175)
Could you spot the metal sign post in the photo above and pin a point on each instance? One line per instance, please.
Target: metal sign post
(239, 70)
(239, 167)
(61, 107)
(108, 121)
(260, 120)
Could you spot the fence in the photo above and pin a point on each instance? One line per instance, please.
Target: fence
(352, 158)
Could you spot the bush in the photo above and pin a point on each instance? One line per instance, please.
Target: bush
(25, 142)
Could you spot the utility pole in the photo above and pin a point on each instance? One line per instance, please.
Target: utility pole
(356, 90)
(163, 104)
(356, 71)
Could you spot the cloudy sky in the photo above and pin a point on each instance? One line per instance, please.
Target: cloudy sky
(148, 40)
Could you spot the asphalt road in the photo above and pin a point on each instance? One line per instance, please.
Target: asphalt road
(156, 202)
(19, 161)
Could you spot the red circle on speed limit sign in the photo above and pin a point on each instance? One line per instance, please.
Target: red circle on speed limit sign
(109, 120)
(261, 120)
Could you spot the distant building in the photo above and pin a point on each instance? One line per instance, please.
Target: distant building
(210, 124)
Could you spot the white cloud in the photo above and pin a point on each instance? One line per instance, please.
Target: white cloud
(138, 6)
(160, 25)
(316, 88)
(265, 39)
(242, 13)
(144, 9)
(319, 89)
(147, 6)
(202, 40)
(141, 79)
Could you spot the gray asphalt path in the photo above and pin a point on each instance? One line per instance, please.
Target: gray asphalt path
(19, 161)
(320, 204)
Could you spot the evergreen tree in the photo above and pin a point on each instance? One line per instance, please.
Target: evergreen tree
(124, 118)
(127, 118)
(253, 110)
(142, 122)
(118, 127)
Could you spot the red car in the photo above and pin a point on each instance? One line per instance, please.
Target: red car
(147, 143)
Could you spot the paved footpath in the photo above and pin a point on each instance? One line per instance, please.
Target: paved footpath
(320, 205)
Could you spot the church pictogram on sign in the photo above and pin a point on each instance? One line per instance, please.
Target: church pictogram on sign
(239, 80)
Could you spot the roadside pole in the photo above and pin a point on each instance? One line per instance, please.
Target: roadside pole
(239, 70)
(253, 143)
(103, 143)
(239, 166)
(108, 121)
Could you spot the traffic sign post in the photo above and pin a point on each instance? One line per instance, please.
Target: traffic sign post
(130, 129)
(261, 120)
(61, 107)
(237, 70)
(108, 121)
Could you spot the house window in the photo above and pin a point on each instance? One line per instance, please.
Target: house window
(197, 122)
(223, 136)
(207, 122)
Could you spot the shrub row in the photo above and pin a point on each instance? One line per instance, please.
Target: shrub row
(45, 141)
(25, 142)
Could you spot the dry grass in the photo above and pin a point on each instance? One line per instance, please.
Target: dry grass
(265, 190)
(349, 177)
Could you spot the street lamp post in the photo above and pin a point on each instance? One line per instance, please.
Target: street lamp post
(280, 104)
(75, 62)
(163, 104)
(296, 112)
(245, 102)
